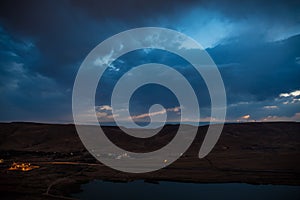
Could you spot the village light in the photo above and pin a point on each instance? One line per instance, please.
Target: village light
(22, 167)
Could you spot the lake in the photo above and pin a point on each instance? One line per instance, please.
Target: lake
(175, 190)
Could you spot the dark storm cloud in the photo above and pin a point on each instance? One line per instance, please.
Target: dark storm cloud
(260, 71)
(137, 9)
(62, 36)
(26, 94)
(44, 42)
(243, 9)
(256, 73)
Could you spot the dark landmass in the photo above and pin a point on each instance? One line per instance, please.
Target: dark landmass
(255, 153)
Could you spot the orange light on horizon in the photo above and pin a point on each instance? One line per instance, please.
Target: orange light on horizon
(246, 117)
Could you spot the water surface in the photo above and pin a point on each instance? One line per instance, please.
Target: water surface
(175, 190)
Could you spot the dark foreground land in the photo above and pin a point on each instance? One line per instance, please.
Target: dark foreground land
(256, 153)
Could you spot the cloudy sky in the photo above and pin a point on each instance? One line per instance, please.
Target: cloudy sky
(255, 46)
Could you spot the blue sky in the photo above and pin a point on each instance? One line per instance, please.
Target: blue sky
(255, 46)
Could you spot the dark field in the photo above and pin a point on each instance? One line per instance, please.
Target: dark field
(255, 153)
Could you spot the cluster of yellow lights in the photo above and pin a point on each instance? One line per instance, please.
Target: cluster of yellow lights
(22, 167)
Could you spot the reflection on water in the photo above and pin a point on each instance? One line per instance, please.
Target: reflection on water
(174, 190)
